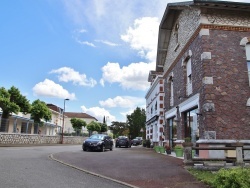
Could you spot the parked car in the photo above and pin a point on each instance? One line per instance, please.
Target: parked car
(122, 141)
(98, 142)
(137, 141)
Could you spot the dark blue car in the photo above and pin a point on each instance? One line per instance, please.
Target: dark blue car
(98, 142)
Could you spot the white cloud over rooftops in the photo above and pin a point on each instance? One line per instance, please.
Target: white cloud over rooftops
(49, 88)
(143, 37)
(123, 102)
(134, 76)
(98, 113)
(66, 74)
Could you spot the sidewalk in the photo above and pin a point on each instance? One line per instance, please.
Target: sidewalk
(136, 166)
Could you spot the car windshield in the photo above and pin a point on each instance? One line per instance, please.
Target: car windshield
(97, 136)
(122, 137)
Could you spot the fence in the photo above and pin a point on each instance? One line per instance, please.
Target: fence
(238, 156)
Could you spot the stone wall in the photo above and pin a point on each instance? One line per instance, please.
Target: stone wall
(34, 139)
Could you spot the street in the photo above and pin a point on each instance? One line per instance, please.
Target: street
(31, 167)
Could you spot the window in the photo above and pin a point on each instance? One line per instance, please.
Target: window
(248, 60)
(171, 91)
(248, 68)
(172, 132)
(246, 43)
(191, 124)
(189, 77)
(155, 106)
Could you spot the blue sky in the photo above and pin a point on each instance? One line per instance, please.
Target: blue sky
(97, 53)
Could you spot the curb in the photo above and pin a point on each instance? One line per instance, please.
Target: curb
(92, 173)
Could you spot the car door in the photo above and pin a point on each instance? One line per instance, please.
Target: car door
(106, 142)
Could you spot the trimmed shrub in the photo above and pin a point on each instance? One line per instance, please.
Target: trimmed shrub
(232, 178)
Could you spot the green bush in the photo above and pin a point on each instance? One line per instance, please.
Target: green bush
(233, 178)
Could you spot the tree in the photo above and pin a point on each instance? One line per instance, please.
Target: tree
(12, 101)
(104, 127)
(39, 111)
(93, 126)
(119, 128)
(136, 121)
(77, 124)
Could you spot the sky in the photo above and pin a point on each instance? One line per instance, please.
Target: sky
(96, 53)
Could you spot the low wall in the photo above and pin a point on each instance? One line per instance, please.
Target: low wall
(35, 139)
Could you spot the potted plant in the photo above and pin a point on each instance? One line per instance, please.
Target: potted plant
(167, 149)
(148, 143)
(187, 142)
(178, 151)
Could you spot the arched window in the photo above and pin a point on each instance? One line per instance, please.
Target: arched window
(246, 42)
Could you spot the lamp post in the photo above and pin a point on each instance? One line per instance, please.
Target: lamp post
(63, 117)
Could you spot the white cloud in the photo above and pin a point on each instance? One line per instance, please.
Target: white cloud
(86, 43)
(143, 37)
(102, 82)
(66, 74)
(48, 88)
(98, 113)
(133, 76)
(123, 102)
(107, 42)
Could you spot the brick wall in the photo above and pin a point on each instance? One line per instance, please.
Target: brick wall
(229, 92)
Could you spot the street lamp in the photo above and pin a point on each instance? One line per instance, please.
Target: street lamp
(63, 117)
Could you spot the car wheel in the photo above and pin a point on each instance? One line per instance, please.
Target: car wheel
(83, 148)
(111, 148)
(102, 148)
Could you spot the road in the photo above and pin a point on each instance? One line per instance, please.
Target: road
(31, 167)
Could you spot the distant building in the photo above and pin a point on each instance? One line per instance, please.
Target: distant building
(69, 115)
(203, 57)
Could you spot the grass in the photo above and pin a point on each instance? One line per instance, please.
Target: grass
(204, 176)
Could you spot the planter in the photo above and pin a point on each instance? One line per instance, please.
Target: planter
(157, 149)
(162, 149)
(168, 151)
(187, 144)
(179, 152)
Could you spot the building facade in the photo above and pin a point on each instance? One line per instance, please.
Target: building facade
(203, 56)
(154, 109)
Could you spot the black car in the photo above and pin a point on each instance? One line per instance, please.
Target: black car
(122, 141)
(136, 141)
(98, 142)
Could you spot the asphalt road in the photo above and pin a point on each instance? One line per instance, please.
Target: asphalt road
(136, 166)
(31, 167)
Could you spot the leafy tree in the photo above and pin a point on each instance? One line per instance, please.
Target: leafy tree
(39, 111)
(77, 124)
(94, 126)
(136, 121)
(104, 127)
(119, 128)
(12, 101)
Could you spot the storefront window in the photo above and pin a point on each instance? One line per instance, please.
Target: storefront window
(191, 124)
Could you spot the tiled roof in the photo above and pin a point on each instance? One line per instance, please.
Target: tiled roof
(79, 115)
(54, 107)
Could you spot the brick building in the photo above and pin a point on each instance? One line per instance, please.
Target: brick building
(203, 55)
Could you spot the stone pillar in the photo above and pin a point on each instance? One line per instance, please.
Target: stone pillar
(239, 154)
(187, 150)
